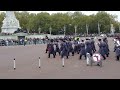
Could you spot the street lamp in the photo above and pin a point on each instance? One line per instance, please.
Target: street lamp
(27, 30)
(75, 30)
(87, 26)
(50, 30)
(64, 30)
(39, 29)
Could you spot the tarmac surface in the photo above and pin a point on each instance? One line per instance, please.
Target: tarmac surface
(27, 64)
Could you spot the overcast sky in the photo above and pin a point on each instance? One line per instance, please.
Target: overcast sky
(84, 12)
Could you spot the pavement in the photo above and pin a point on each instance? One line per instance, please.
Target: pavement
(27, 64)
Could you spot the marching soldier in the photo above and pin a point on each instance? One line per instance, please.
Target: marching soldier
(57, 48)
(51, 49)
(75, 46)
(102, 46)
(64, 49)
(117, 51)
(82, 50)
(79, 47)
(70, 48)
(106, 47)
(47, 46)
(88, 47)
(116, 41)
(93, 45)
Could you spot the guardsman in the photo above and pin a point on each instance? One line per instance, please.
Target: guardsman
(78, 45)
(93, 45)
(64, 49)
(88, 47)
(47, 46)
(117, 51)
(106, 47)
(75, 46)
(51, 49)
(78, 51)
(70, 48)
(56, 47)
(102, 46)
(116, 42)
(82, 50)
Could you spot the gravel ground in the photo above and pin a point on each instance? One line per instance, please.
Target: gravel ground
(27, 65)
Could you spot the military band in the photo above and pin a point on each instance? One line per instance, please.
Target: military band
(67, 47)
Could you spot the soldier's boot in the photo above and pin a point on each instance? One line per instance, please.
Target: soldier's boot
(114, 49)
(72, 53)
(67, 57)
(80, 56)
(85, 57)
(117, 58)
(107, 55)
(104, 57)
(54, 55)
(49, 55)
(46, 51)
(91, 54)
(98, 64)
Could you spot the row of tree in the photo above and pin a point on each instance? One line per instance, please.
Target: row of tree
(41, 22)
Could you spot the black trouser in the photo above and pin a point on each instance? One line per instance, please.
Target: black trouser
(75, 49)
(81, 56)
(51, 53)
(117, 57)
(107, 55)
(103, 57)
(46, 50)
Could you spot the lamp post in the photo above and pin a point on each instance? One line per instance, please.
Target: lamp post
(39, 29)
(75, 30)
(99, 29)
(87, 29)
(50, 30)
(64, 30)
(28, 30)
(119, 29)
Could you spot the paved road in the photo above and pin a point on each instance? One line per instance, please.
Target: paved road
(27, 65)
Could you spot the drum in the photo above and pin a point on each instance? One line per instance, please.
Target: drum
(96, 57)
